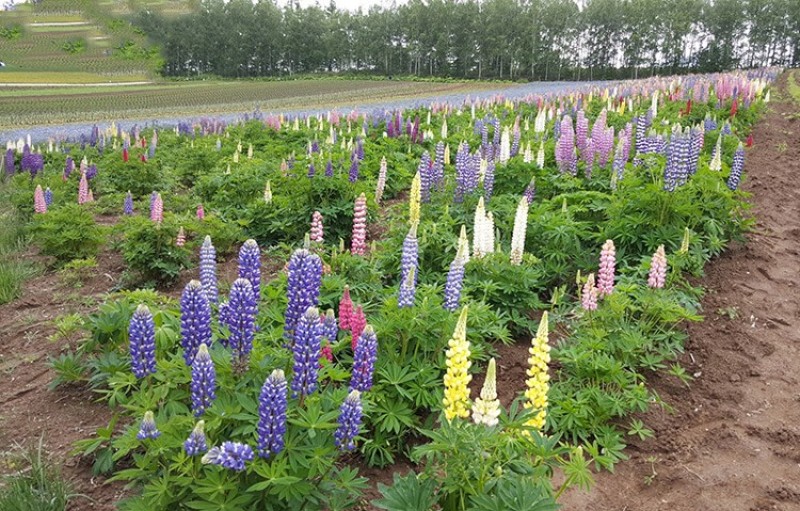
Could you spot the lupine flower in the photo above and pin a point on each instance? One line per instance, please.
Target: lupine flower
(364, 358)
(716, 159)
(180, 240)
(353, 176)
(589, 294)
(208, 270)
(201, 212)
(306, 350)
(302, 289)
(329, 169)
(272, 405)
(148, 428)
(195, 320)
(250, 265)
(381, 184)
(414, 199)
(409, 259)
(345, 309)
(9, 163)
(157, 209)
(231, 455)
(658, 269)
(736, 168)
(90, 198)
(326, 352)
(486, 409)
(142, 336)
(330, 329)
(204, 381)
(83, 190)
(127, 206)
(605, 276)
(408, 290)
(530, 191)
(48, 196)
(39, 204)
(488, 180)
(357, 324)
(359, 240)
(455, 279)
(457, 377)
(196, 443)
(241, 318)
(268, 193)
(538, 378)
(349, 422)
(520, 228)
(316, 227)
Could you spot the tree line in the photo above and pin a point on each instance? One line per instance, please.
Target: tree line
(506, 39)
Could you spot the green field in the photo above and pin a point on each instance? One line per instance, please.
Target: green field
(22, 107)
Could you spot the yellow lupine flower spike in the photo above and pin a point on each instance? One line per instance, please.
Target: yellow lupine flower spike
(457, 377)
(538, 382)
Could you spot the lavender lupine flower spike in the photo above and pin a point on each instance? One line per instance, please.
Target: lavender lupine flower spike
(409, 259)
(589, 294)
(231, 455)
(195, 320)
(349, 422)
(142, 335)
(148, 428)
(272, 415)
(127, 206)
(250, 265)
(204, 381)
(304, 281)
(408, 290)
(241, 318)
(306, 350)
(208, 270)
(196, 443)
(364, 359)
(455, 279)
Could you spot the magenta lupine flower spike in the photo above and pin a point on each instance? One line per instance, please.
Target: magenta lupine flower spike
(272, 404)
(316, 227)
(605, 276)
(39, 204)
(148, 428)
(230, 455)
(658, 269)
(357, 324)
(240, 317)
(142, 337)
(589, 294)
(250, 265)
(306, 351)
(195, 320)
(208, 270)
(349, 422)
(157, 209)
(359, 241)
(364, 358)
(83, 190)
(201, 213)
(204, 381)
(345, 309)
(302, 288)
(196, 443)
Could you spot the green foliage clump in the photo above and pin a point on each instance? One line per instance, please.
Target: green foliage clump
(150, 251)
(68, 232)
(37, 486)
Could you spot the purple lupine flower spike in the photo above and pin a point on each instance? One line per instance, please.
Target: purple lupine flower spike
(272, 405)
(349, 422)
(208, 270)
(48, 196)
(127, 206)
(204, 381)
(306, 349)
(488, 181)
(250, 265)
(530, 191)
(410, 256)
(230, 455)
(736, 168)
(195, 320)
(353, 177)
(142, 335)
(148, 428)
(408, 290)
(330, 327)
(304, 281)
(311, 170)
(196, 443)
(329, 169)
(9, 162)
(241, 318)
(364, 359)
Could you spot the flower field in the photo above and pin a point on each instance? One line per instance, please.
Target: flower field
(307, 299)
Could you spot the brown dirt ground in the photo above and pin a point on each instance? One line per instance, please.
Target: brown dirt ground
(733, 441)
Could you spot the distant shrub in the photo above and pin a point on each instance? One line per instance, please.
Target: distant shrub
(67, 233)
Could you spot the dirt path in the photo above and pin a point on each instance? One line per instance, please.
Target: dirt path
(733, 442)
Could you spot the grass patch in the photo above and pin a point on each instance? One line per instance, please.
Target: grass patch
(793, 86)
(14, 270)
(37, 486)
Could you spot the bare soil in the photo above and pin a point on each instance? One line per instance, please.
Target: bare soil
(733, 441)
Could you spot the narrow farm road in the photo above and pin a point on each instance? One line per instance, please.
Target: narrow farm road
(733, 440)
